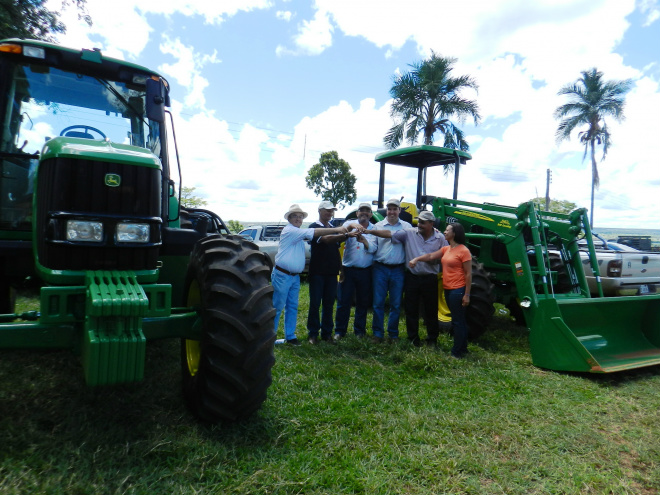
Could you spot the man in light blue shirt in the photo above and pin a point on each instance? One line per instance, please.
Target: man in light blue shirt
(388, 275)
(359, 252)
(289, 262)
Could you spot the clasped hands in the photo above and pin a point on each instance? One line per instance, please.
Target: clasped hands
(355, 230)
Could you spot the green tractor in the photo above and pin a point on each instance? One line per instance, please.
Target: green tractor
(532, 264)
(89, 214)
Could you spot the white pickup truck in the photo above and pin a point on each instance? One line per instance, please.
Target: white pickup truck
(267, 237)
(624, 271)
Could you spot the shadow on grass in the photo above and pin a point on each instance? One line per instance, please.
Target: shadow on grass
(46, 405)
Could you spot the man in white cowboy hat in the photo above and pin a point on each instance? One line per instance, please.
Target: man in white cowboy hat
(324, 264)
(289, 262)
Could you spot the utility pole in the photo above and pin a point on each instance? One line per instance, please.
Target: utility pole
(547, 190)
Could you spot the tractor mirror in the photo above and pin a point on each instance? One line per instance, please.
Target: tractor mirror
(156, 99)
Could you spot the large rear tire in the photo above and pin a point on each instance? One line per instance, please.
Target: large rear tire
(227, 373)
(482, 296)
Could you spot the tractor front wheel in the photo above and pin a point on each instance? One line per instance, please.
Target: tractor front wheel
(482, 296)
(227, 372)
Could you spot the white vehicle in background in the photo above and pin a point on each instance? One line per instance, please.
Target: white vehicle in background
(267, 237)
(624, 271)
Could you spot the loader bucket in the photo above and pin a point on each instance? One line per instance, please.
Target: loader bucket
(599, 335)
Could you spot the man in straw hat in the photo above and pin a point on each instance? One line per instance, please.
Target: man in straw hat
(289, 262)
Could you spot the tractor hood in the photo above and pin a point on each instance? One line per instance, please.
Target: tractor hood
(68, 147)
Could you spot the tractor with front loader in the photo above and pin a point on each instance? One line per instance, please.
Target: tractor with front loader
(529, 260)
(89, 215)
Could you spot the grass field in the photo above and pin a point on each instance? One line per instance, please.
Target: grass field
(352, 418)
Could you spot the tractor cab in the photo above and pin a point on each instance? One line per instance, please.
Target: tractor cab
(421, 158)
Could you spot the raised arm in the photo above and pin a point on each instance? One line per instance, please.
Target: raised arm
(385, 234)
(435, 255)
(330, 231)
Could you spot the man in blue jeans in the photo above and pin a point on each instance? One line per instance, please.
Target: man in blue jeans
(289, 262)
(324, 264)
(357, 281)
(388, 275)
(421, 281)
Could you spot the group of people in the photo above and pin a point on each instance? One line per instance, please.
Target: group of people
(388, 258)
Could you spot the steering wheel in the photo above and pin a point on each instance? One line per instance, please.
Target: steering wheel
(84, 134)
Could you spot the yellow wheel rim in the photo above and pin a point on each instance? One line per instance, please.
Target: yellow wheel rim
(192, 347)
(444, 315)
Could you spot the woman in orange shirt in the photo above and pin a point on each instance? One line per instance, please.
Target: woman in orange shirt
(456, 262)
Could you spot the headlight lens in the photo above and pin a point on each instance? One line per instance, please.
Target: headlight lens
(78, 230)
(132, 232)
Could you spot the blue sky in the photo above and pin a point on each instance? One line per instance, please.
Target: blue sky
(261, 87)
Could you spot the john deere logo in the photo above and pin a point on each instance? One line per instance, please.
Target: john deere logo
(112, 180)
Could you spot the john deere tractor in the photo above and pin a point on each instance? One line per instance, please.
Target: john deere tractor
(530, 261)
(89, 214)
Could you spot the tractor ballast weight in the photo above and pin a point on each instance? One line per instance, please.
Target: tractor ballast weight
(89, 213)
(533, 261)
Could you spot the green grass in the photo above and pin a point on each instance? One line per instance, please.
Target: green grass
(352, 418)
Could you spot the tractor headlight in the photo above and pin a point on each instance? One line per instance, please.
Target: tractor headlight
(132, 232)
(79, 230)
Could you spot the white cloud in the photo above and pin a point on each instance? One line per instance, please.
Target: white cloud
(122, 26)
(651, 10)
(187, 70)
(284, 15)
(316, 35)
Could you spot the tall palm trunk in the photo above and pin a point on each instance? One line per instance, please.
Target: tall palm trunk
(594, 181)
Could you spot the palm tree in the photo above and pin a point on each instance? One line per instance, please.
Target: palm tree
(424, 100)
(591, 99)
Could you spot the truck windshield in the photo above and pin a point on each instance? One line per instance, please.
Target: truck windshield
(39, 103)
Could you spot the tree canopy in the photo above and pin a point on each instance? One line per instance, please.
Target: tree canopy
(424, 101)
(235, 226)
(189, 200)
(590, 100)
(332, 179)
(556, 205)
(34, 19)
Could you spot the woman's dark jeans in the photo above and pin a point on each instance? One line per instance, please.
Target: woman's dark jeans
(454, 298)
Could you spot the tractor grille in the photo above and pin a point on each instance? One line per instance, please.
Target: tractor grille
(75, 188)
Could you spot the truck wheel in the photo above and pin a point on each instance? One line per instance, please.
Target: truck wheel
(226, 374)
(482, 296)
(564, 284)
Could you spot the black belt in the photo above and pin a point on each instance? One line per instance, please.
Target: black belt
(390, 266)
(356, 267)
(285, 271)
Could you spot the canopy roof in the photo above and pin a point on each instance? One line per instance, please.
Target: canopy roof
(422, 156)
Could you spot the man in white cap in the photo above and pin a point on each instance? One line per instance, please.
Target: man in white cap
(357, 281)
(388, 274)
(289, 262)
(421, 282)
(324, 264)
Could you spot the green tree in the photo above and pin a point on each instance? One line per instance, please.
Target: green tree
(33, 19)
(556, 205)
(235, 226)
(425, 99)
(189, 200)
(332, 179)
(590, 100)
